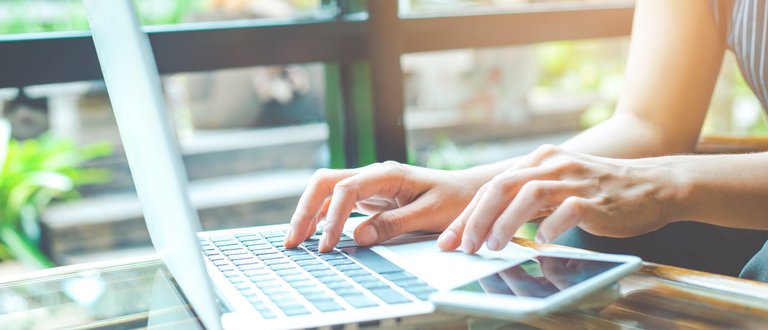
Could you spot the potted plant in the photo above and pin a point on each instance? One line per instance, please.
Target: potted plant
(33, 173)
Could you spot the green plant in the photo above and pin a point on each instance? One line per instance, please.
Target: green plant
(33, 173)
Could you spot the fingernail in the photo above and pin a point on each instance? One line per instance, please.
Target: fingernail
(325, 243)
(494, 243)
(287, 235)
(448, 237)
(367, 235)
(540, 238)
(468, 245)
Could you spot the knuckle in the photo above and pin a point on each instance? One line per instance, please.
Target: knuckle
(320, 175)
(344, 187)
(546, 150)
(392, 167)
(535, 189)
(392, 225)
(502, 183)
(575, 206)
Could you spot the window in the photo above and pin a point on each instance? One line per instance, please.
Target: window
(261, 100)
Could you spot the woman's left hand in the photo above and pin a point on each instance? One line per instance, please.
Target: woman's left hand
(604, 196)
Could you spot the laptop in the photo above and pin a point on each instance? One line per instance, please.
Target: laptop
(245, 278)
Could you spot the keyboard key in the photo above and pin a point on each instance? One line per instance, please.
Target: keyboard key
(346, 291)
(338, 285)
(364, 278)
(230, 247)
(250, 266)
(236, 252)
(267, 284)
(281, 266)
(287, 272)
(303, 284)
(345, 268)
(332, 256)
(390, 296)
(316, 296)
(271, 256)
(230, 274)
(270, 234)
(312, 261)
(422, 293)
(309, 290)
(296, 252)
(241, 257)
(220, 262)
(356, 272)
(295, 278)
(226, 268)
(221, 238)
(374, 285)
(315, 267)
(294, 311)
(256, 272)
(275, 261)
(360, 301)
(371, 259)
(299, 257)
(411, 283)
(241, 263)
(398, 276)
(327, 306)
(323, 273)
(268, 315)
(275, 291)
(339, 262)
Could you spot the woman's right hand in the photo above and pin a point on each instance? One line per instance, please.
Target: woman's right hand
(401, 198)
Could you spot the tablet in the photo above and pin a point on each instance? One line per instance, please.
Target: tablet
(547, 282)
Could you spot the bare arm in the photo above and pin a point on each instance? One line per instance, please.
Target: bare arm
(674, 59)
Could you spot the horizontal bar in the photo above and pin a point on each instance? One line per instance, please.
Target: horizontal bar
(495, 29)
(65, 57)
(34, 59)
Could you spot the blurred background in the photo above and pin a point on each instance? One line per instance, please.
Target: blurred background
(252, 136)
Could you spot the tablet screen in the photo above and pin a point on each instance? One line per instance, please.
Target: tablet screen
(540, 277)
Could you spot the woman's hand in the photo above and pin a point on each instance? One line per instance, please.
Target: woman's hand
(402, 198)
(608, 197)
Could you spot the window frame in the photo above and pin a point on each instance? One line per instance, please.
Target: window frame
(361, 53)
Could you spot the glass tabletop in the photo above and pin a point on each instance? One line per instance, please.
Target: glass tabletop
(140, 293)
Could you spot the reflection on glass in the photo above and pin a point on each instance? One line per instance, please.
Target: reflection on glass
(539, 278)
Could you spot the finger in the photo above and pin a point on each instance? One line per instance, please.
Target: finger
(388, 224)
(533, 197)
(312, 228)
(572, 211)
(449, 240)
(376, 205)
(320, 186)
(500, 193)
(385, 180)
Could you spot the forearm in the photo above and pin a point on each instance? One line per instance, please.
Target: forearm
(724, 190)
(622, 136)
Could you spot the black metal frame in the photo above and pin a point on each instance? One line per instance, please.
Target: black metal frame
(380, 37)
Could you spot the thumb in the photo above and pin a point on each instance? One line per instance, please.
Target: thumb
(388, 224)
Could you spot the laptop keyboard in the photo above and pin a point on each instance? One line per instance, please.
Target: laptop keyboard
(290, 282)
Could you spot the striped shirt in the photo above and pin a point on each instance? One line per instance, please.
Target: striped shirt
(743, 24)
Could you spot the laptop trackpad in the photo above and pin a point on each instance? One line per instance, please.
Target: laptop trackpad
(419, 255)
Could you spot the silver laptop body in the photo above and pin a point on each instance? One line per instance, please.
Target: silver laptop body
(221, 273)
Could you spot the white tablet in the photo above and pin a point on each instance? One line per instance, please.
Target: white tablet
(547, 282)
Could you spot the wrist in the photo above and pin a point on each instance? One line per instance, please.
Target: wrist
(675, 187)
